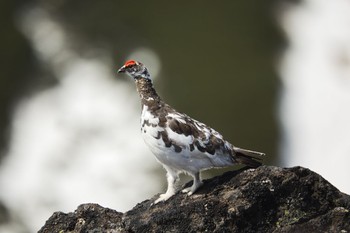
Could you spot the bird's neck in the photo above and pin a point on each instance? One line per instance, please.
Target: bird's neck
(147, 93)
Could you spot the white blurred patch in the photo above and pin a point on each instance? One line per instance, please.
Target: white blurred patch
(315, 106)
(77, 142)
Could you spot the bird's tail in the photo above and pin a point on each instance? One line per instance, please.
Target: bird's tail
(248, 157)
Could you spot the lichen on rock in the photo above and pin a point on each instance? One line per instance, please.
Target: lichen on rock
(265, 199)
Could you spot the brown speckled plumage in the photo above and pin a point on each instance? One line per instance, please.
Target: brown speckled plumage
(180, 143)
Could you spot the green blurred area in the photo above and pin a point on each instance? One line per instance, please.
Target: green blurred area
(217, 57)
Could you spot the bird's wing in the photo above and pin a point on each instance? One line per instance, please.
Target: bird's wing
(187, 132)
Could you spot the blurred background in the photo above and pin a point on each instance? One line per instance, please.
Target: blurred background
(272, 76)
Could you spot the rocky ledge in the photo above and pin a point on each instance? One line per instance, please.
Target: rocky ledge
(266, 199)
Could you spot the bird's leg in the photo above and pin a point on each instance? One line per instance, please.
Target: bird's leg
(196, 184)
(172, 177)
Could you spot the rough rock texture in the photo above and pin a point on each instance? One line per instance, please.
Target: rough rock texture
(266, 199)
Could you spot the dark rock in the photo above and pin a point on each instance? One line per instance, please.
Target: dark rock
(87, 218)
(266, 199)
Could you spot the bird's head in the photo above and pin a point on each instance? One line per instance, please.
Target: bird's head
(135, 69)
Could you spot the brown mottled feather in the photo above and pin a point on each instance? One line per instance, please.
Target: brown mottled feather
(191, 127)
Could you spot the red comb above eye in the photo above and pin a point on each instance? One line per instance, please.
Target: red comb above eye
(130, 62)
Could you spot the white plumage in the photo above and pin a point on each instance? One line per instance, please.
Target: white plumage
(180, 143)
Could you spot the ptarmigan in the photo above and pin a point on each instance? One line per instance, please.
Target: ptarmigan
(180, 143)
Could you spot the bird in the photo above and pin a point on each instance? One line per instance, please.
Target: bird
(180, 143)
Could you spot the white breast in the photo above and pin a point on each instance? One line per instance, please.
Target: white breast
(186, 160)
(150, 132)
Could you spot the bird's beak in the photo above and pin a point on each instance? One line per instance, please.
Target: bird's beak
(122, 70)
